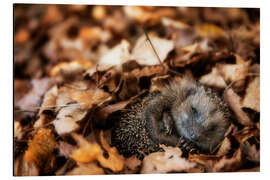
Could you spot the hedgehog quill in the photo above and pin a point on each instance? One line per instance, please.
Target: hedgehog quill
(183, 111)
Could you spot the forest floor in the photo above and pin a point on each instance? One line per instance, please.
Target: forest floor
(75, 65)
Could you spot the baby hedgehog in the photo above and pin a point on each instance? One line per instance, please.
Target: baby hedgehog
(182, 110)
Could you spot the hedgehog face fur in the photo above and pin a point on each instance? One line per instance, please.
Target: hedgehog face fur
(182, 109)
(199, 115)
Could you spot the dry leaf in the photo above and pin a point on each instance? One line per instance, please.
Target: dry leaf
(21, 36)
(106, 111)
(87, 152)
(32, 99)
(115, 161)
(116, 22)
(207, 161)
(133, 163)
(49, 102)
(234, 72)
(93, 34)
(150, 71)
(250, 152)
(88, 98)
(86, 169)
(67, 117)
(40, 150)
(176, 24)
(164, 162)
(72, 67)
(52, 15)
(17, 130)
(143, 53)
(213, 79)
(99, 12)
(234, 102)
(65, 149)
(143, 15)
(225, 147)
(228, 164)
(63, 99)
(252, 97)
(192, 53)
(246, 133)
(22, 168)
(21, 87)
(116, 56)
(210, 31)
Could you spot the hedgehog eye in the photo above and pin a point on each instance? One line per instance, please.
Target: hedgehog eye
(194, 110)
(188, 92)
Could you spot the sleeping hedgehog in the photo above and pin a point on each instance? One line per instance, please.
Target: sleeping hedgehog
(184, 114)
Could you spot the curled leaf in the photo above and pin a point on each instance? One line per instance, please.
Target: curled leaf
(66, 119)
(40, 150)
(252, 97)
(164, 162)
(143, 53)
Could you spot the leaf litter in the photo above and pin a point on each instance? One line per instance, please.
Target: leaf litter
(75, 67)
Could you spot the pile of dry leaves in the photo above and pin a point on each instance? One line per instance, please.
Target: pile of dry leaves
(75, 65)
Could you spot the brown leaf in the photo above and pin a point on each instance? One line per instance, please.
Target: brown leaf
(210, 31)
(213, 79)
(67, 117)
(116, 56)
(87, 152)
(52, 15)
(21, 87)
(234, 102)
(73, 67)
(144, 54)
(116, 22)
(143, 15)
(23, 168)
(65, 149)
(88, 98)
(86, 169)
(158, 82)
(252, 97)
(255, 169)
(31, 100)
(99, 12)
(206, 161)
(250, 152)
(115, 161)
(150, 71)
(40, 150)
(49, 102)
(234, 72)
(133, 163)
(164, 162)
(106, 111)
(93, 34)
(225, 147)
(21, 36)
(246, 133)
(17, 130)
(229, 164)
(192, 53)
(173, 23)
